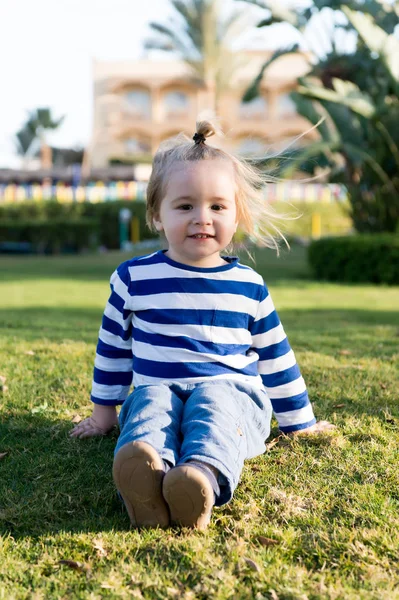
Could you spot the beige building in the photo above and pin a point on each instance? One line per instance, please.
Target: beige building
(138, 104)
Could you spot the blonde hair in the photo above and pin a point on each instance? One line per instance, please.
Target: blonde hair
(255, 218)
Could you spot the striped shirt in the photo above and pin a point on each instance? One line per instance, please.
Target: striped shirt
(166, 322)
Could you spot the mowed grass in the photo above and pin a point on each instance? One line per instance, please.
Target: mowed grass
(313, 518)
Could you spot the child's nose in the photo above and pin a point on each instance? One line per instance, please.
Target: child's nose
(202, 216)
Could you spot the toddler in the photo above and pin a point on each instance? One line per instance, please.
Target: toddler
(197, 334)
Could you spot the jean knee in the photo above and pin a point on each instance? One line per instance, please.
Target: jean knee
(152, 414)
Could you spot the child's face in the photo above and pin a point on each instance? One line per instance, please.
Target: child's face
(198, 212)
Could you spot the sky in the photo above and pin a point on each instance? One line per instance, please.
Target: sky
(47, 48)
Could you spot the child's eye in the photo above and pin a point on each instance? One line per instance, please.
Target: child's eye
(217, 207)
(184, 207)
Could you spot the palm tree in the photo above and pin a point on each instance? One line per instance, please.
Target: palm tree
(203, 39)
(33, 133)
(358, 97)
(320, 26)
(25, 139)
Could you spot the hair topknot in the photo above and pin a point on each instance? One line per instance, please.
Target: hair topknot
(255, 217)
(208, 126)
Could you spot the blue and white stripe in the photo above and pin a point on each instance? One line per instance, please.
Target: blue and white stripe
(167, 322)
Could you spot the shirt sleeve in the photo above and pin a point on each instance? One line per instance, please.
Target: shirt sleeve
(113, 365)
(278, 369)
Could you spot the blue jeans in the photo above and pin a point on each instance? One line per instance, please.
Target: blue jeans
(220, 423)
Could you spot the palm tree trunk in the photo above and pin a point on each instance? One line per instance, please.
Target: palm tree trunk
(46, 157)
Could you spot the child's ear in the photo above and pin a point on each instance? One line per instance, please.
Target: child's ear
(157, 223)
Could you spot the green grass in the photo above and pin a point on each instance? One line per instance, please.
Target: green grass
(330, 503)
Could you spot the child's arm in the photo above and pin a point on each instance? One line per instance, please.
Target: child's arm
(280, 373)
(101, 421)
(113, 366)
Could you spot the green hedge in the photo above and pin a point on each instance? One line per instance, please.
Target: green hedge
(106, 215)
(357, 259)
(50, 236)
(334, 216)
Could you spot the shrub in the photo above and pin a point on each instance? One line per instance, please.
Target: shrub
(360, 258)
(52, 235)
(106, 215)
(334, 217)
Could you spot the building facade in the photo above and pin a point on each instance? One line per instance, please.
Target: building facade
(138, 104)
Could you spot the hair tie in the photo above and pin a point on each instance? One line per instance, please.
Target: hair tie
(199, 138)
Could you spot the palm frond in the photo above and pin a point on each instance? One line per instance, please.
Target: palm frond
(190, 14)
(310, 110)
(281, 13)
(172, 40)
(373, 164)
(203, 35)
(346, 93)
(159, 44)
(302, 155)
(376, 39)
(253, 90)
(258, 3)
(393, 147)
(24, 139)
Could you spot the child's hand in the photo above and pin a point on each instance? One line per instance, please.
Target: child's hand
(319, 427)
(102, 420)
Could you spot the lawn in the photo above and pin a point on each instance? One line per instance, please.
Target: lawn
(313, 518)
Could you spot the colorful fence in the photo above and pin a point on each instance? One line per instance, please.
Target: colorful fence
(93, 192)
(135, 190)
(291, 191)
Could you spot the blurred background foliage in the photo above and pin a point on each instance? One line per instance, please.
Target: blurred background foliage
(353, 97)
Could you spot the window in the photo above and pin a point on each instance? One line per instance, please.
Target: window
(255, 109)
(253, 147)
(139, 102)
(135, 145)
(176, 103)
(286, 106)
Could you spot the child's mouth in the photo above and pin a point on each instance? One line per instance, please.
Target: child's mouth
(200, 236)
